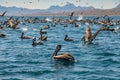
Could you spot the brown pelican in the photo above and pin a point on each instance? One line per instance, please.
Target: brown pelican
(64, 56)
(42, 32)
(2, 35)
(76, 24)
(65, 25)
(25, 37)
(13, 23)
(89, 37)
(67, 38)
(34, 43)
(2, 27)
(43, 38)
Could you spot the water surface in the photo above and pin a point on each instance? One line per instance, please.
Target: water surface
(19, 60)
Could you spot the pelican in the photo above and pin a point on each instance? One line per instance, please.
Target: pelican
(64, 56)
(42, 32)
(2, 27)
(12, 23)
(25, 37)
(43, 38)
(67, 38)
(65, 25)
(2, 35)
(76, 24)
(34, 43)
(89, 37)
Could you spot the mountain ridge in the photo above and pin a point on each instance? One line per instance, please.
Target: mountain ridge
(118, 6)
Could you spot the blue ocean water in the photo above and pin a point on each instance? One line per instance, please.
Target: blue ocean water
(19, 60)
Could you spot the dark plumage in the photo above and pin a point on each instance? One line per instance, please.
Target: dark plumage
(67, 38)
(42, 38)
(42, 32)
(34, 42)
(25, 37)
(71, 15)
(2, 35)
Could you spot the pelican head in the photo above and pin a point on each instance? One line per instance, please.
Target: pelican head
(88, 28)
(40, 31)
(65, 36)
(34, 39)
(22, 34)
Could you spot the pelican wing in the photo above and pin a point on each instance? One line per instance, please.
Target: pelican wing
(63, 56)
(11, 23)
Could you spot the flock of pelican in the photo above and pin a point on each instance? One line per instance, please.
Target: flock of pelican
(105, 21)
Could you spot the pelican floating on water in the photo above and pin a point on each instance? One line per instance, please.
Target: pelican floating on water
(25, 37)
(2, 35)
(42, 38)
(34, 42)
(42, 31)
(67, 38)
(64, 56)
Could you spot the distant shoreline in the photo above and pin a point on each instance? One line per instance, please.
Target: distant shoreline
(63, 15)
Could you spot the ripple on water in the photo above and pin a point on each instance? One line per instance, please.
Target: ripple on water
(19, 60)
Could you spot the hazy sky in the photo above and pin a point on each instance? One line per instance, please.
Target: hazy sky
(43, 4)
